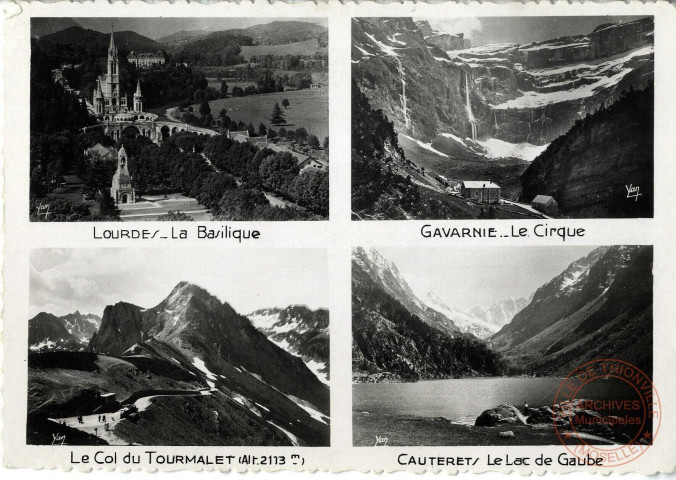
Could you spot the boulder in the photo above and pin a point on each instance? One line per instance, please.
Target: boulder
(503, 414)
(506, 434)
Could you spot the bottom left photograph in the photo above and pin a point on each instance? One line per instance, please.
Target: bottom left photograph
(178, 347)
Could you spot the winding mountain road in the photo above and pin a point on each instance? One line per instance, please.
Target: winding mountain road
(92, 425)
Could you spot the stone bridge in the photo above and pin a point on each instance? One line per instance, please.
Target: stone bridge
(146, 126)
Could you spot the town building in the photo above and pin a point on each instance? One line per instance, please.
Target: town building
(545, 204)
(480, 191)
(122, 190)
(242, 136)
(98, 151)
(146, 60)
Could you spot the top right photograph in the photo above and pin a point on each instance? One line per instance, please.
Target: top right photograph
(502, 117)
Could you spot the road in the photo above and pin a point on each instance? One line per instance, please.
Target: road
(92, 425)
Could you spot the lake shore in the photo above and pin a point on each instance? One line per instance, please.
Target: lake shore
(439, 431)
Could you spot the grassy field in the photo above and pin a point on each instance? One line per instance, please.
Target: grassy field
(309, 109)
(307, 47)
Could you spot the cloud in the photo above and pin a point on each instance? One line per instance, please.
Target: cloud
(467, 25)
(89, 279)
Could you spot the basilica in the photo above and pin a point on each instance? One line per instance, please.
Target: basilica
(118, 119)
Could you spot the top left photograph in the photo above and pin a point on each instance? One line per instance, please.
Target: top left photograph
(175, 119)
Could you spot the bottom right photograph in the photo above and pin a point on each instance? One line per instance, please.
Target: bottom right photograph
(503, 346)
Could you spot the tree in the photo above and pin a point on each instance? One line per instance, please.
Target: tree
(301, 135)
(262, 130)
(107, 207)
(272, 134)
(285, 103)
(326, 143)
(205, 109)
(313, 141)
(252, 131)
(277, 171)
(224, 88)
(282, 133)
(277, 117)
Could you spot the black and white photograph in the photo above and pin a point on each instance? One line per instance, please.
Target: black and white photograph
(179, 119)
(178, 348)
(470, 346)
(502, 117)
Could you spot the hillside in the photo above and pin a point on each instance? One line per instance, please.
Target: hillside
(285, 32)
(390, 343)
(588, 169)
(599, 307)
(125, 40)
(300, 331)
(41, 26)
(199, 373)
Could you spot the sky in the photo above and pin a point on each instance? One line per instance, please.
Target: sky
(520, 30)
(65, 280)
(161, 27)
(467, 276)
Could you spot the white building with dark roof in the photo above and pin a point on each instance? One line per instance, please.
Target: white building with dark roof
(481, 191)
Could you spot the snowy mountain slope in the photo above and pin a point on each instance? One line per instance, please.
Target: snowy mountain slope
(581, 282)
(47, 332)
(386, 274)
(465, 322)
(499, 313)
(300, 331)
(599, 307)
(192, 329)
(522, 96)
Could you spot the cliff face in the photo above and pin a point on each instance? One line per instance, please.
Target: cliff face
(121, 327)
(516, 93)
(397, 70)
(590, 169)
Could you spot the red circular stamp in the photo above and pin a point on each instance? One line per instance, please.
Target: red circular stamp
(607, 412)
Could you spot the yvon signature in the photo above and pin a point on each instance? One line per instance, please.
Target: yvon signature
(381, 441)
(633, 192)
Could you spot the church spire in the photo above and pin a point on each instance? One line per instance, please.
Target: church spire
(112, 47)
(138, 88)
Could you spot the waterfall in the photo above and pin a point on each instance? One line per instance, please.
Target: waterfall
(495, 116)
(404, 107)
(468, 106)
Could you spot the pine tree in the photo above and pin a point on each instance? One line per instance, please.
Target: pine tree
(277, 117)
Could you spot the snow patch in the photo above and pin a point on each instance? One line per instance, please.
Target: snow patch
(199, 364)
(309, 408)
(426, 146)
(496, 148)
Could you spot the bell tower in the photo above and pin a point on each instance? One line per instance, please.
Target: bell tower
(122, 190)
(138, 98)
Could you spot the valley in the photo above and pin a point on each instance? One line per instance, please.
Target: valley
(498, 112)
(417, 362)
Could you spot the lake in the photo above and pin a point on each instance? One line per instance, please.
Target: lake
(463, 400)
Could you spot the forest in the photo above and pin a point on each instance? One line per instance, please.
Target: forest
(377, 190)
(406, 346)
